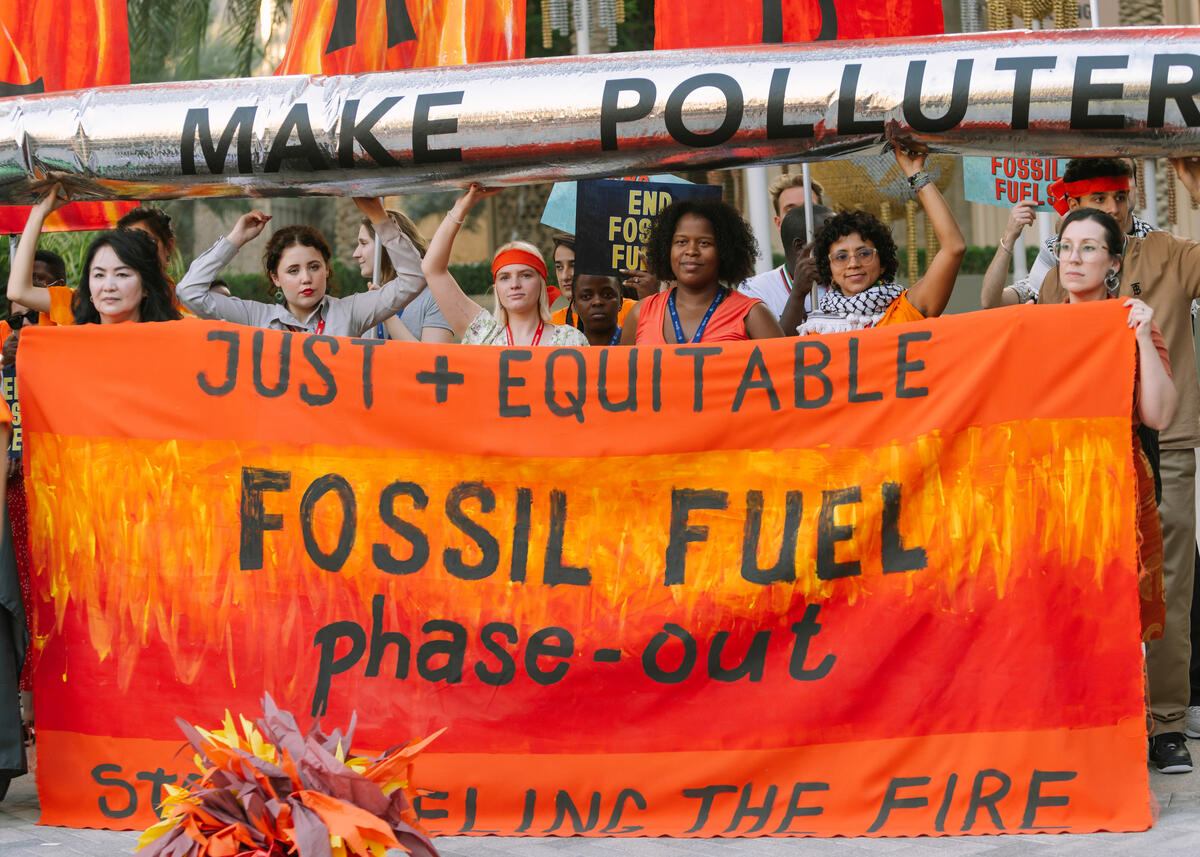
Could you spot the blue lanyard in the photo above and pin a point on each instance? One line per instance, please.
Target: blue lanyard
(616, 337)
(703, 322)
(381, 332)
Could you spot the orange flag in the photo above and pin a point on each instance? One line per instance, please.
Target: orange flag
(349, 36)
(40, 53)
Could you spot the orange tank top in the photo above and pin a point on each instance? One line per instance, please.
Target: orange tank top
(728, 322)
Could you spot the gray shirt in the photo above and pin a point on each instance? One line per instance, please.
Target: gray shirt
(423, 312)
(348, 316)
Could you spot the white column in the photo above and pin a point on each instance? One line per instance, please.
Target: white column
(583, 29)
(760, 218)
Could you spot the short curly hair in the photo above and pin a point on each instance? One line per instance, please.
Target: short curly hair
(867, 225)
(736, 247)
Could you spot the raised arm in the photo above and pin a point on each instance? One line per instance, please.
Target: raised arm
(931, 293)
(995, 291)
(193, 290)
(454, 303)
(20, 276)
(1157, 398)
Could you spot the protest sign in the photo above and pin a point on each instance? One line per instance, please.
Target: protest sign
(613, 220)
(1002, 180)
(830, 586)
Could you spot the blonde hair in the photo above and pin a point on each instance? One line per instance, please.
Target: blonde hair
(404, 223)
(790, 180)
(500, 313)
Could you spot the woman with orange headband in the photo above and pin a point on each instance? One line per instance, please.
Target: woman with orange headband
(519, 275)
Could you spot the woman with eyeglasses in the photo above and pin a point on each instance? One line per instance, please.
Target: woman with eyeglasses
(1089, 260)
(856, 256)
(706, 248)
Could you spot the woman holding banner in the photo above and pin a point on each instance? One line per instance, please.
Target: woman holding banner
(519, 277)
(1089, 258)
(297, 262)
(706, 248)
(856, 255)
(121, 281)
(421, 320)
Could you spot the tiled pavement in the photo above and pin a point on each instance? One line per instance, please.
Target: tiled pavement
(1176, 834)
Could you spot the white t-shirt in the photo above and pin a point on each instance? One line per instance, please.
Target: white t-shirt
(773, 288)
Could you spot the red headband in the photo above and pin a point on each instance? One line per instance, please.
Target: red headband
(517, 256)
(1060, 190)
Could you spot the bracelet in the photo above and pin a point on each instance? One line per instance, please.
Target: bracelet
(1004, 247)
(919, 179)
(450, 214)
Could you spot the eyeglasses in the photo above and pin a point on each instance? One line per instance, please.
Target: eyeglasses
(1088, 251)
(862, 254)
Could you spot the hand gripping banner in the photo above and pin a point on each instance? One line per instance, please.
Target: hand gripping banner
(1066, 93)
(871, 584)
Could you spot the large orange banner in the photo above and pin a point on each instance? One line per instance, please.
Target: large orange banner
(871, 584)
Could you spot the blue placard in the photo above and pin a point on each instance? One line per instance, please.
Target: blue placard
(1006, 179)
(613, 220)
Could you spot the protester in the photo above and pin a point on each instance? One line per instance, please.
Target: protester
(121, 279)
(787, 192)
(1164, 271)
(421, 320)
(597, 302)
(856, 256)
(157, 224)
(1089, 257)
(14, 639)
(787, 195)
(522, 314)
(705, 247)
(297, 262)
(792, 291)
(1105, 184)
(564, 268)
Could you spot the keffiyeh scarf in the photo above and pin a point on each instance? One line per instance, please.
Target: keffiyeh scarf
(839, 312)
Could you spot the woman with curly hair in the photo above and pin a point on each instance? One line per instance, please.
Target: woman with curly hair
(706, 248)
(856, 256)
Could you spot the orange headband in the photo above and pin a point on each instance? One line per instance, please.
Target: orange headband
(1060, 190)
(517, 256)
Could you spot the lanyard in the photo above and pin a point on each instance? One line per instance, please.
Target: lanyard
(537, 336)
(703, 322)
(787, 278)
(616, 337)
(380, 331)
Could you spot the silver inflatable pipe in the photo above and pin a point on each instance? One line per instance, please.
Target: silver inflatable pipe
(1066, 93)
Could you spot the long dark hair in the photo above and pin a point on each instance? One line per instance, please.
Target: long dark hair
(137, 250)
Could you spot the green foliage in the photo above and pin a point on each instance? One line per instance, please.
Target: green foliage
(475, 278)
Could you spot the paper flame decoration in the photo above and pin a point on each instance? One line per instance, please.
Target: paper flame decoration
(272, 790)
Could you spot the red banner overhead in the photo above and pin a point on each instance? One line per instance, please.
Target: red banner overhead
(686, 24)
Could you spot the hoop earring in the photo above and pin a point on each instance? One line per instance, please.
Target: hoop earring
(1111, 283)
(278, 294)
